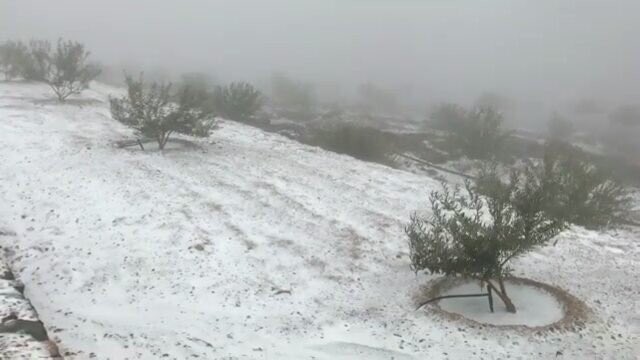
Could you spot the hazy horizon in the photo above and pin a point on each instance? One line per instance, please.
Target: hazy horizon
(538, 53)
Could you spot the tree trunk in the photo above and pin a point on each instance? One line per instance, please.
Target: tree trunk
(58, 95)
(503, 296)
(501, 284)
(162, 140)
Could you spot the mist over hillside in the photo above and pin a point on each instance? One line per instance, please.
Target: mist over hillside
(544, 56)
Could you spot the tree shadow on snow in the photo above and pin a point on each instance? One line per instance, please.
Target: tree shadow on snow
(72, 102)
(150, 145)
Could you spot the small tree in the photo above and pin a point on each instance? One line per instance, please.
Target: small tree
(295, 96)
(559, 127)
(476, 235)
(68, 71)
(448, 117)
(65, 70)
(237, 101)
(151, 112)
(480, 135)
(501, 103)
(579, 192)
(362, 142)
(477, 133)
(37, 63)
(197, 81)
(13, 55)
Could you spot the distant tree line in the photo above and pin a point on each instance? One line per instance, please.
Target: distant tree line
(64, 67)
(156, 109)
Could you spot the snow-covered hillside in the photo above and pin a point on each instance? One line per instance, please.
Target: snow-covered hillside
(248, 245)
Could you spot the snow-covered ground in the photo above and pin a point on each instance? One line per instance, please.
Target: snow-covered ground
(128, 254)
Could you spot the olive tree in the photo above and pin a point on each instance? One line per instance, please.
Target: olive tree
(37, 63)
(477, 133)
(68, 71)
(476, 232)
(447, 117)
(579, 192)
(13, 55)
(64, 68)
(237, 101)
(152, 111)
(481, 134)
(295, 96)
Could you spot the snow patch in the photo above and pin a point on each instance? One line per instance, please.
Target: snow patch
(535, 307)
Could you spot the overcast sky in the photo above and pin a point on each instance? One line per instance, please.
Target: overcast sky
(531, 50)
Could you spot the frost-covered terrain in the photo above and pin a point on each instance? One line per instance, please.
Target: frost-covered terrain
(251, 246)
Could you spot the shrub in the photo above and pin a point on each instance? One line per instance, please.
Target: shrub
(37, 63)
(237, 101)
(582, 193)
(476, 235)
(151, 112)
(480, 135)
(362, 142)
(68, 72)
(448, 117)
(501, 103)
(574, 189)
(64, 69)
(559, 127)
(476, 133)
(202, 82)
(31, 62)
(297, 98)
(13, 55)
(196, 88)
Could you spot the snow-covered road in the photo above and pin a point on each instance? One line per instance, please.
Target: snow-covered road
(141, 255)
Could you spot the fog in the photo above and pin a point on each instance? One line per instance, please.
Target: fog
(542, 54)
